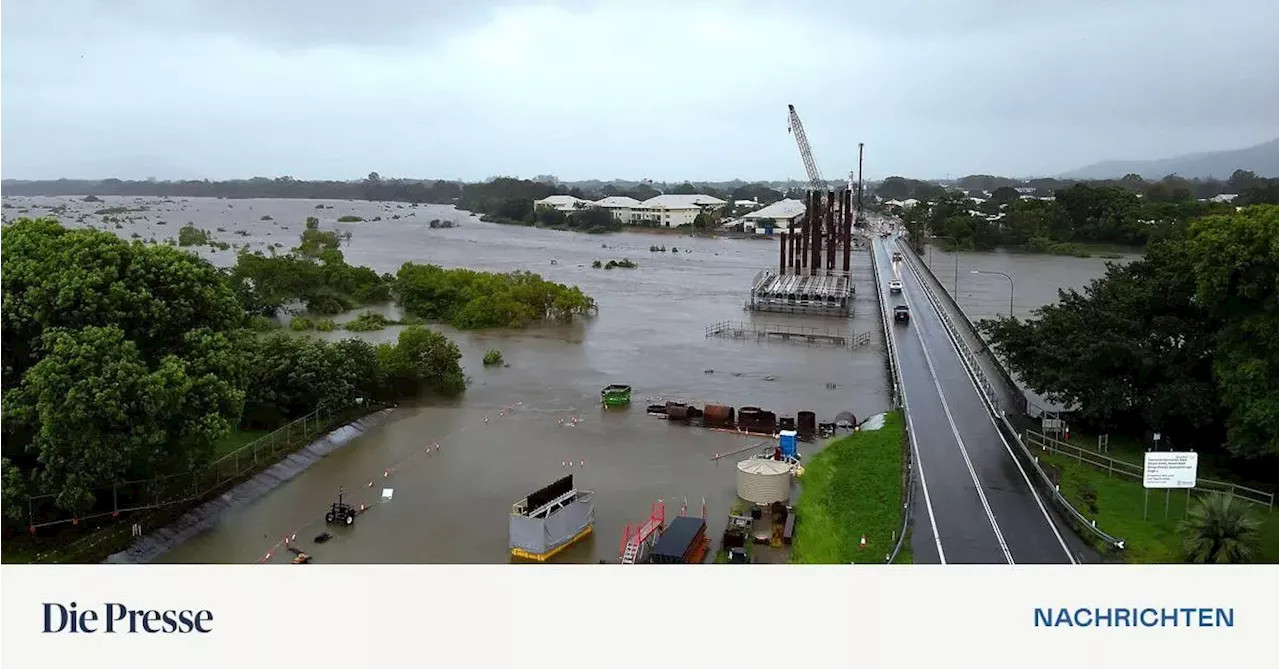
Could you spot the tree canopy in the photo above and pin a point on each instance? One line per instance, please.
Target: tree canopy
(1183, 341)
(128, 361)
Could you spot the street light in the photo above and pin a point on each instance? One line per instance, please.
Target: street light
(981, 271)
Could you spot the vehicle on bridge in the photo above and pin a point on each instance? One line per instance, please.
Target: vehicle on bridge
(897, 256)
(895, 286)
(901, 314)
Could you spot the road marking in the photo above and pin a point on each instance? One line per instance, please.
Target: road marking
(915, 451)
(1008, 449)
(955, 431)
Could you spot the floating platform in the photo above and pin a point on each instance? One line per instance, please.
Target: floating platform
(772, 331)
(748, 420)
(824, 293)
(550, 520)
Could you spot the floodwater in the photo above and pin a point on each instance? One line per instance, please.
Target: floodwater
(452, 505)
(1036, 278)
(514, 430)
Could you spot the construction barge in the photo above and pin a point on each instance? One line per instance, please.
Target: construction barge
(683, 541)
(748, 420)
(550, 520)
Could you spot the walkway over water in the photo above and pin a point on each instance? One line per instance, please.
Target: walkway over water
(766, 331)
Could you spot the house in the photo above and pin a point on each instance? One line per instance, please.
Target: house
(565, 203)
(622, 207)
(673, 211)
(780, 215)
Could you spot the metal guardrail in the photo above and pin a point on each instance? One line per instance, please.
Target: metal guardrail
(895, 392)
(151, 494)
(1113, 466)
(988, 393)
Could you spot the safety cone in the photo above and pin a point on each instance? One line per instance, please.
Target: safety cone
(863, 542)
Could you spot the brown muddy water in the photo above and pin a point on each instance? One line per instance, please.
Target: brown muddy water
(451, 505)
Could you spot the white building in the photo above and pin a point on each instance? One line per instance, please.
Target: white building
(665, 211)
(779, 216)
(673, 211)
(565, 203)
(622, 207)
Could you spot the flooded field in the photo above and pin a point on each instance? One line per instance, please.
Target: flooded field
(513, 431)
(452, 505)
(1036, 278)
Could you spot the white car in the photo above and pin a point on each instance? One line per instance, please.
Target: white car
(895, 286)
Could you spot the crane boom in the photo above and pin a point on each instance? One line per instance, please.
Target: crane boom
(816, 182)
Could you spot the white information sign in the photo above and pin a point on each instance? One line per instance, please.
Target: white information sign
(1169, 469)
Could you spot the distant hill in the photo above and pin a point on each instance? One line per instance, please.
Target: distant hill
(1263, 159)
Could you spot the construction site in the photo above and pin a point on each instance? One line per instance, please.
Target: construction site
(807, 279)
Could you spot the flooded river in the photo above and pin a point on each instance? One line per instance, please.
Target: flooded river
(451, 505)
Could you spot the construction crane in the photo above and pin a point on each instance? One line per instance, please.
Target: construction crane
(816, 182)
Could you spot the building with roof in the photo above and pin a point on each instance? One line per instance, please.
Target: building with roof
(780, 216)
(675, 210)
(622, 207)
(565, 203)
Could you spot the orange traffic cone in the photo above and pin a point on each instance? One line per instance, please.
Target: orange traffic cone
(863, 542)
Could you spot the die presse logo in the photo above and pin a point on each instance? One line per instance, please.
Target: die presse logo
(114, 618)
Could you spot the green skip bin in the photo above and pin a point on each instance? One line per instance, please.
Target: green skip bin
(615, 395)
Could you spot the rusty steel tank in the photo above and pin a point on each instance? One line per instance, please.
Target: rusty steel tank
(678, 411)
(718, 415)
(786, 422)
(806, 424)
(749, 418)
(768, 423)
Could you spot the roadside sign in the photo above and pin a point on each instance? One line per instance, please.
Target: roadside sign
(1169, 469)
(1051, 424)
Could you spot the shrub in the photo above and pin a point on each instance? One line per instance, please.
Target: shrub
(298, 324)
(493, 357)
(1219, 530)
(326, 325)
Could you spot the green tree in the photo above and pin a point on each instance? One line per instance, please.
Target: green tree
(1234, 268)
(1219, 530)
(1132, 351)
(1005, 195)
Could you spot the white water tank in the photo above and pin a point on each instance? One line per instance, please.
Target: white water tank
(763, 481)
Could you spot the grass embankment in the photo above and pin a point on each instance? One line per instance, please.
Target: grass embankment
(1116, 503)
(852, 488)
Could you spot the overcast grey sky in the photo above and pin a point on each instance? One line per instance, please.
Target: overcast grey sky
(656, 89)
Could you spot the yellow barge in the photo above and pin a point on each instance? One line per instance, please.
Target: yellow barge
(550, 520)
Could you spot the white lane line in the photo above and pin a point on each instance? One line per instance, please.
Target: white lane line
(915, 447)
(1007, 447)
(964, 452)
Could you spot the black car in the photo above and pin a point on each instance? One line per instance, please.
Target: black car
(901, 313)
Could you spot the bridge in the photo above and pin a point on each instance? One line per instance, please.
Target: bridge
(975, 499)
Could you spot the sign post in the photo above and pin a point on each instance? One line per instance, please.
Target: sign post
(1168, 470)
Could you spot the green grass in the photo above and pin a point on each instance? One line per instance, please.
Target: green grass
(1116, 503)
(853, 487)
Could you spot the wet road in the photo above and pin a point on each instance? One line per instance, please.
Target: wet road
(977, 505)
(451, 506)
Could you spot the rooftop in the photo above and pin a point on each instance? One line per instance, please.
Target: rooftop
(618, 202)
(674, 201)
(781, 209)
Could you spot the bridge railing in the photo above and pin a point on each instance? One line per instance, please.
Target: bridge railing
(895, 397)
(1084, 525)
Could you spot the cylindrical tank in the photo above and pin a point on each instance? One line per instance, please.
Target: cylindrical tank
(749, 418)
(786, 422)
(679, 412)
(718, 415)
(763, 481)
(768, 422)
(806, 423)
